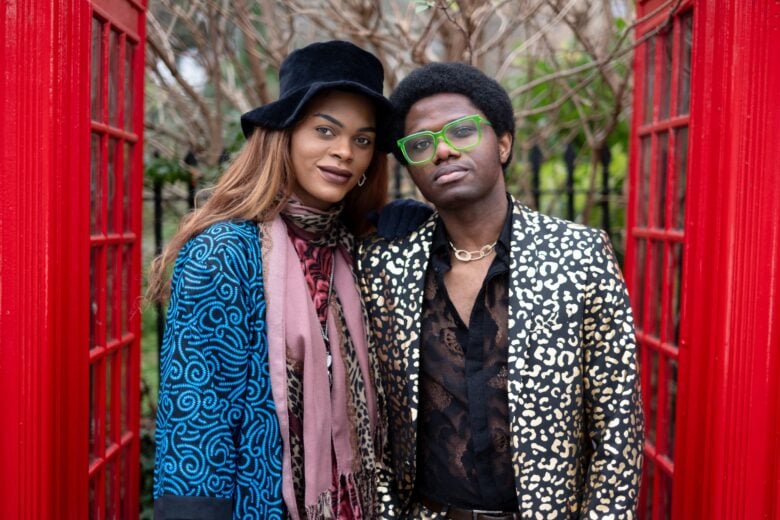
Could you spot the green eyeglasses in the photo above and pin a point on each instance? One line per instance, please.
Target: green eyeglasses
(462, 135)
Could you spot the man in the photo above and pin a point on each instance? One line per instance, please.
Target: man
(505, 338)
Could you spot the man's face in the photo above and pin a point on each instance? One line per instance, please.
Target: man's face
(455, 178)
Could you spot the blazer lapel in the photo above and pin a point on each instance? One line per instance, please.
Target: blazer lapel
(411, 292)
(527, 316)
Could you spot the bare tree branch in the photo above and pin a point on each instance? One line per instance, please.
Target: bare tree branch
(565, 63)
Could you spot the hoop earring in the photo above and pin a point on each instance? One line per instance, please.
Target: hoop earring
(362, 180)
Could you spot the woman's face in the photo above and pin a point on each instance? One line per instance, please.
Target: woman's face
(332, 146)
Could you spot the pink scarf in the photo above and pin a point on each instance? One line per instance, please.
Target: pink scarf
(331, 420)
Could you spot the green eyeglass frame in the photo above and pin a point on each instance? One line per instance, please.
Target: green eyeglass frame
(442, 134)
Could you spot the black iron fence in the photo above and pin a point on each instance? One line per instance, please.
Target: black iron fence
(568, 195)
(576, 199)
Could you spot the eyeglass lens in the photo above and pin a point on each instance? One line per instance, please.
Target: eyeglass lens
(461, 135)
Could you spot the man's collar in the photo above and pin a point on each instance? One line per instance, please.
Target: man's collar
(440, 239)
(505, 238)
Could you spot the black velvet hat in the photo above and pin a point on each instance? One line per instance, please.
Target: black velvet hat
(321, 66)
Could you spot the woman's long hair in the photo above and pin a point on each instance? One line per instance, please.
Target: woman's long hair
(255, 186)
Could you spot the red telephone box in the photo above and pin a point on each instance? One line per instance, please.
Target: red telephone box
(116, 183)
(70, 203)
(703, 256)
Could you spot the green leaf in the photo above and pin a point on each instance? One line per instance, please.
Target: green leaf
(423, 5)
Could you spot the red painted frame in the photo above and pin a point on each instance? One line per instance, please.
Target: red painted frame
(44, 216)
(656, 241)
(45, 260)
(44, 210)
(727, 457)
(729, 465)
(115, 256)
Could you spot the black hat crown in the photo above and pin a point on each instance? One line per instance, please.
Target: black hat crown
(333, 65)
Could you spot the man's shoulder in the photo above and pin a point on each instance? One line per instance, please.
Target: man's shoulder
(376, 246)
(548, 227)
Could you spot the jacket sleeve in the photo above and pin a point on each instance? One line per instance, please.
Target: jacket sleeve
(207, 354)
(387, 498)
(388, 502)
(613, 411)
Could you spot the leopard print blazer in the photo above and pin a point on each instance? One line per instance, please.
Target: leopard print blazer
(574, 401)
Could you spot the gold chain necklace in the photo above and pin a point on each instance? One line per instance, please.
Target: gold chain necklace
(471, 256)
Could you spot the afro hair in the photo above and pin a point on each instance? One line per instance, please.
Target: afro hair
(452, 78)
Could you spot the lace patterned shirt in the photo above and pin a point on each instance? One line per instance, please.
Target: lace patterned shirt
(463, 435)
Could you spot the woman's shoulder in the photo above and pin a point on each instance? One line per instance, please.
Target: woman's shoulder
(228, 238)
(230, 230)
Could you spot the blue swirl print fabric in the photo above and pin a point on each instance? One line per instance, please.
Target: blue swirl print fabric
(219, 449)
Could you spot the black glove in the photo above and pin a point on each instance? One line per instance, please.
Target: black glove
(401, 217)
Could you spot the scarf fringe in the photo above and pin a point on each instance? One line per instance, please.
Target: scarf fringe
(322, 509)
(361, 489)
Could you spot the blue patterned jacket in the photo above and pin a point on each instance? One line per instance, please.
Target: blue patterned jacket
(219, 450)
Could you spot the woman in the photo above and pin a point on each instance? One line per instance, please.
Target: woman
(267, 404)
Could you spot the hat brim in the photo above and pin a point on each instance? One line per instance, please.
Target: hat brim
(285, 112)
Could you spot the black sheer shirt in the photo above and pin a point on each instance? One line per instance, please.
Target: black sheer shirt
(464, 453)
